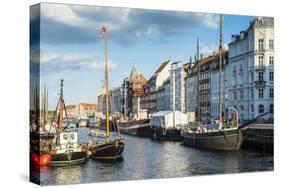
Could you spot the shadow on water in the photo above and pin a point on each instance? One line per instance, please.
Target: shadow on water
(115, 161)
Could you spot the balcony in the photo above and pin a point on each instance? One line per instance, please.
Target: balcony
(260, 50)
(260, 83)
(259, 67)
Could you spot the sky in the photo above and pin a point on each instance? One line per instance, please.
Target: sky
(71, 47)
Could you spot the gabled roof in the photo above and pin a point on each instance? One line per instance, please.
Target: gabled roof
(162, 66)
(140, 79)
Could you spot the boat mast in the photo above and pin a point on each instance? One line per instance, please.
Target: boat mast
(174, 66)
(104, 36)
(220, 69)
(61, 106)
(198, 80)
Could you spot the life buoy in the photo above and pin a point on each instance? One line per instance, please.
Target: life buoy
(42, 160)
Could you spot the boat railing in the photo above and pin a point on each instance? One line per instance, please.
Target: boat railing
(71, 145)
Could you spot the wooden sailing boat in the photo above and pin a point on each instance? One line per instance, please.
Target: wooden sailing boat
(107, 148)
(66, 150)
(228, 136)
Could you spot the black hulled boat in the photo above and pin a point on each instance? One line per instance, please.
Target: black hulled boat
(66, 150)
(228, 135)
(108, 147)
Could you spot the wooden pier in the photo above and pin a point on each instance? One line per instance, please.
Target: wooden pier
(259, 136)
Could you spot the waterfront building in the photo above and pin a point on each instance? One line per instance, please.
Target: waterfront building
(116, 97)
(72, 111)
(177, 88)
(251, 70)
(202, 89)
(81, 110)
(214, 85)
(148, 100)
(163, 96)
(86, 109)
(134, 86)
(191, 90)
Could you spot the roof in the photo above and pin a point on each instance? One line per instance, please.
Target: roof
(140, 79)
(70, 106)
(211, 58)
(134, 73)
(162, 66)
(258, 22)
(88, 106)
(261, 22)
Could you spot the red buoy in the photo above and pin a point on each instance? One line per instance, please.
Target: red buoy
(42, 160)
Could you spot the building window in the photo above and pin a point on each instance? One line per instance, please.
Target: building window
(252, 76)
(271, 76)
(252, 93)
(242, 108)
(260, 41)
(261, 109)
(241, 68)
(271, 109)
(252, 108)
(271, 44)
(260, 61)
(271, 60)
(271, 93)
(241, 95)
(261, 93)
(260, 76)
(235, 95)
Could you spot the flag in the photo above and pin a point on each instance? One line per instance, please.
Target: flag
(103, 30)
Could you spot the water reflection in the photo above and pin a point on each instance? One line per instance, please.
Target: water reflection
(144, 158)
(68, 174)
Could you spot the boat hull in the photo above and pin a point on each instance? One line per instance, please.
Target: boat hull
(68, 158)
(136, 128)
(220, 140)
(108, 151)
(170, 134)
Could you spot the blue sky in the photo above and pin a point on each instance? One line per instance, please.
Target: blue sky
(71, 48)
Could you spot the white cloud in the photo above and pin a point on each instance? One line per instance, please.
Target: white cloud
(80, 24)
(206, 49)
(210, 20)
(53, 62)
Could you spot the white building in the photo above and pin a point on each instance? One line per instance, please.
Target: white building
(250, 70)
(177, 89)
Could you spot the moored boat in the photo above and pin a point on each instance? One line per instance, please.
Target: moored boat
(136, 127)
(227, 135)
(66, 150)
(228, 138)
(108, 147)
(40, 138)
(166, 125)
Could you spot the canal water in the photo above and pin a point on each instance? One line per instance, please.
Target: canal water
(144, 158)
